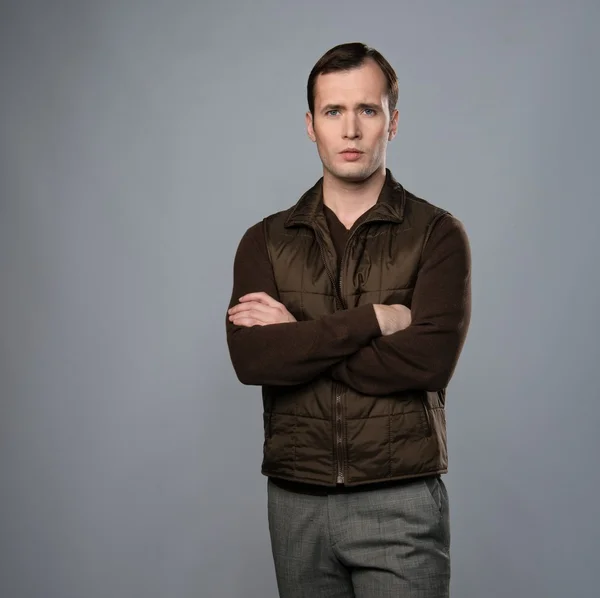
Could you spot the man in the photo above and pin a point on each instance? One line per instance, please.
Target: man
(350, 309)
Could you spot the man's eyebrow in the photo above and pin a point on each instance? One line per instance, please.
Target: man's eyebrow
(332, 107)
(361, 106)
(370, 106)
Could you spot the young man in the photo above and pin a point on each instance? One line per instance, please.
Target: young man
(350, 309)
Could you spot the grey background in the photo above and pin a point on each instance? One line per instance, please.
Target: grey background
(139, 140)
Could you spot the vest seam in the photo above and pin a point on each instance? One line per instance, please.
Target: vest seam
(297, 416)
(308, 232)
(302, 295)
(434, 221)
(346, 462)
(295, 439)
(332, 446)
(268, 245)
(395, 231)
(315, 293)
(389, 446)
(410, 288)
(381, 261)
(382, 291)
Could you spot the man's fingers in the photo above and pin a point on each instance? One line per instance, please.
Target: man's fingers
(260, 315)
(249, 313)
(247, 322)
(251, 305)
(261, 297)
(255, 306)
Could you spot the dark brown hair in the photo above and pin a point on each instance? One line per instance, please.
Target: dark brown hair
(346, 57)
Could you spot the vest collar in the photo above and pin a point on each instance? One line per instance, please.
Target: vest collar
(389, 207)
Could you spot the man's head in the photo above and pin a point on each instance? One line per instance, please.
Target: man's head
(352, 93)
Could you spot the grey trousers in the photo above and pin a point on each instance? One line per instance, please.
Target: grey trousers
(385, 542)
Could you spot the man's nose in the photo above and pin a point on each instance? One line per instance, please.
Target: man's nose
(351, 127)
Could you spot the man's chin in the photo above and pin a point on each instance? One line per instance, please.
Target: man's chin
(352, 173)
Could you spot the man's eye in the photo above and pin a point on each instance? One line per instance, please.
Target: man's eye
(331, 112)
(370, 112)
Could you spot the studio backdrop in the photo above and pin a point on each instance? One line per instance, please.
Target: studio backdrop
(138, 142)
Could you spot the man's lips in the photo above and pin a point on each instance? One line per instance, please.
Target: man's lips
(351, 154)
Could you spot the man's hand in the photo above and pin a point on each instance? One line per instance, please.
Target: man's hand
(259, 309)
(392, 318)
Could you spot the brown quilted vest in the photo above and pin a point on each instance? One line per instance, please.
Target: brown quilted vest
(324, 432)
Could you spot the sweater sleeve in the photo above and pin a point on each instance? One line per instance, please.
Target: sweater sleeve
(424, 355)
(290, 353)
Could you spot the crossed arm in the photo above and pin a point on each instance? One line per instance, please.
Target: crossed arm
(374, 348)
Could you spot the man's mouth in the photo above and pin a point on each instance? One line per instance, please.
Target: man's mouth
(351, 154)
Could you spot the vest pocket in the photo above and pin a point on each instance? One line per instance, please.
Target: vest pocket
(267, 413)
(426, 415)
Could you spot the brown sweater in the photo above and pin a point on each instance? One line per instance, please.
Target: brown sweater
(348, 344)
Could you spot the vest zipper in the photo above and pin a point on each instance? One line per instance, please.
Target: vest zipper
(339, 428)
(339, 435)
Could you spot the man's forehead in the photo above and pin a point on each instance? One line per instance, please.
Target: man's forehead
(350, 96)
(364, 85)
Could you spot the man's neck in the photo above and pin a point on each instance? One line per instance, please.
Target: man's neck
(348, 200)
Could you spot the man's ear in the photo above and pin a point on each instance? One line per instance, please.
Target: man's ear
(393, 128)
(310, 129)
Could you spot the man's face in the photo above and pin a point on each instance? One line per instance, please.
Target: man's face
(351, 124)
